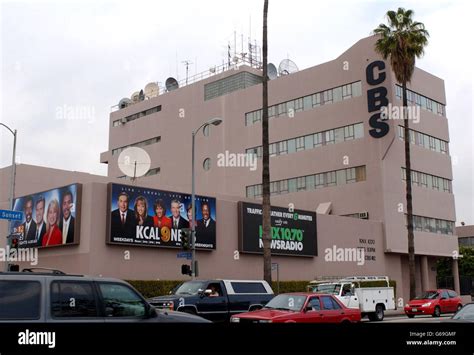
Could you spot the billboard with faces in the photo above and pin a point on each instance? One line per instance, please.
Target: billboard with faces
(155, 218)
(50, 218)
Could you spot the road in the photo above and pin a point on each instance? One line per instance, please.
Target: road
(401, 318)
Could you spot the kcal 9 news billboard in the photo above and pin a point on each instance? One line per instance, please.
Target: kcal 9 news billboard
(293, 233)
(50, 218)
(149, 217)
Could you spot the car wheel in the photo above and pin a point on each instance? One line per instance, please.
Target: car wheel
(379, 313)
(437, 312)
(411, 315)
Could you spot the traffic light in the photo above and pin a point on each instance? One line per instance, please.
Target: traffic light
(186, 238)
(186, 269)
(14, 243)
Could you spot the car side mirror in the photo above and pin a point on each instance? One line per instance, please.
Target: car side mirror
(308, 309)
(151, 312)
(207, 292)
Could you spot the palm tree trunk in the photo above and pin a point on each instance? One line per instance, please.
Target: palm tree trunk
(266, 221)
(411, 236)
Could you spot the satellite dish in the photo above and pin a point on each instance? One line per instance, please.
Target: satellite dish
(152, 90)
(171, 84)
(134, 162)
(141, 96)
(124, 102)
(135, 96)
(287, 67)
(272, 71)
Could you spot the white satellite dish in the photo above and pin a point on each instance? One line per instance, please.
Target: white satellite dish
(287, 67)
(171, 84)
(134, 162)
(135, 96)
(272, 71)
(151, 90)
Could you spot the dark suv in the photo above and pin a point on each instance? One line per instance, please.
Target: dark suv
(54, 296)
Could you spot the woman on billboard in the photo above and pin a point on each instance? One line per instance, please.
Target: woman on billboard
(141, 212)
(53, 234)
(159, 219)
(189, 211)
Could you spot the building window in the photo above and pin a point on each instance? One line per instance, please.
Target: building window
(283, 148)
(351, 175)
(274, 188)
(337, 94)
(329, 137)
(307, 103)
(319, 181)
(316, 100)
(284, 186)
(299, 144)
(301, 183)
(356, 89)
(327, 97)
(349, 133)
(347, 91)
(331, 178)
(207, 164)
(360, 173)
(206, 130)
(318, 140)
(273, 149)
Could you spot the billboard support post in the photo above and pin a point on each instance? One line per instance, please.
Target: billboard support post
(12, 184)
(215, 122)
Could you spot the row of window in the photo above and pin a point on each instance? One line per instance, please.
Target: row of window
(154, 171)
(138, 144)
(310, 182)
(428, 181)
(425, 140)
(422, 101)
(433, 225)
(466, 241)
(137, 115)
(312, 141)
(306, 103)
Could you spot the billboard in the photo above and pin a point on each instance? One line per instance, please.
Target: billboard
(293, 233)
(50, 218)
(149, 217)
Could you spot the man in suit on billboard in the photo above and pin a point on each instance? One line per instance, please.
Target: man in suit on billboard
(66, 225)
(29, 226)
(40, 223)
(122, 219)
(177, 222)
(206, 227)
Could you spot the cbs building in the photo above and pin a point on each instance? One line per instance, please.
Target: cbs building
(336, 170)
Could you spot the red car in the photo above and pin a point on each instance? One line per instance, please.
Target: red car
(301, 308)
(434, 302)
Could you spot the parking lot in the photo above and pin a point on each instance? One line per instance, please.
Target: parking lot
(401, 318)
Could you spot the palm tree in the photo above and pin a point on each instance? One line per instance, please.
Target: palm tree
(402, 41)
(266, 221)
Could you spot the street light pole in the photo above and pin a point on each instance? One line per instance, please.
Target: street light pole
(12, 182)
(215, 122)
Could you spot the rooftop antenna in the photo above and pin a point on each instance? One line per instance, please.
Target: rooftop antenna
(186, 63)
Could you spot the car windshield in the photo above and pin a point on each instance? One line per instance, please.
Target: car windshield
(190, 288)
(327, 288)
(286, 303)
(466, 313)
(428, 295)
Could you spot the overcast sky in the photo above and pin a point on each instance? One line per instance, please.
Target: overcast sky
(58, 56)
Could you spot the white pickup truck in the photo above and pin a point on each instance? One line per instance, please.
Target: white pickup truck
(372, 301)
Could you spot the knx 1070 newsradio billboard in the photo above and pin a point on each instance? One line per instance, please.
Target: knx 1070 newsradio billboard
(293, 233)
(148, 217)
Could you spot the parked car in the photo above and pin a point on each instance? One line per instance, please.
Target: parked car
(371, 301)
(465, 314)
(52, 296)
(434, 302)
(301, 308)
(216, 300)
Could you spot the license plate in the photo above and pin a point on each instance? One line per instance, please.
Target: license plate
(414, 310)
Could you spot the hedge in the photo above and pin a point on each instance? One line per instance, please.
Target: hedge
(153, 288)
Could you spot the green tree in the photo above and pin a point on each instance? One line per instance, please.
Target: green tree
(266, 219)
(402, 41)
